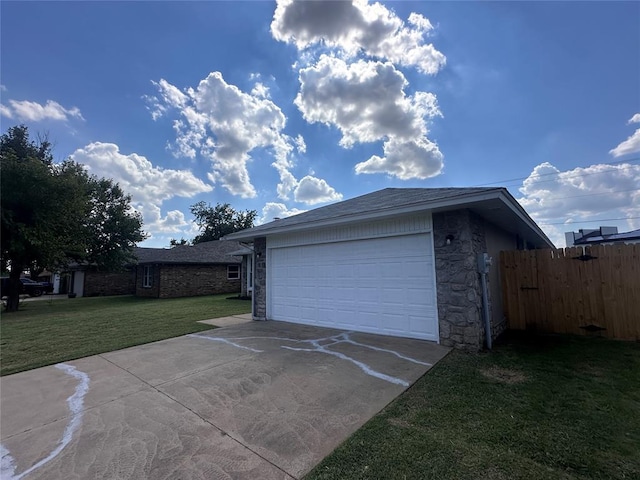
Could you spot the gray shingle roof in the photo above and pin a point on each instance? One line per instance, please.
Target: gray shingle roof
(215, 251)
(615, 237)
(386, 199)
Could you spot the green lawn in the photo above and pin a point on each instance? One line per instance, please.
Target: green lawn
(45, 332)
(546, 408)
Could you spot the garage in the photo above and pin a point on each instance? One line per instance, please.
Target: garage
(399, 262)
(377, 285)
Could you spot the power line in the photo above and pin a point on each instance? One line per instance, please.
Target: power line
(595, 194)
(501, 182)
(590, 221)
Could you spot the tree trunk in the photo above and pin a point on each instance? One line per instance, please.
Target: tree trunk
(13, 295)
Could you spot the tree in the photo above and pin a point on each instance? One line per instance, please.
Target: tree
(216, 222)
(175, 243)
(52, 214)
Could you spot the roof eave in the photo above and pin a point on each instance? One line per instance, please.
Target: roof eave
(251, 233)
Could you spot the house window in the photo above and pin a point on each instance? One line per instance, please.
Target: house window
(233, 272)
(147, 276)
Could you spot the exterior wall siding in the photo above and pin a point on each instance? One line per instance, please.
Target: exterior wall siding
(459, 289)
(497, 240)
(109, 283)
(375, 229)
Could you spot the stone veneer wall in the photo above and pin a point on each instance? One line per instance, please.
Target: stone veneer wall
(459, 289)
(109, 283)
(260, 279)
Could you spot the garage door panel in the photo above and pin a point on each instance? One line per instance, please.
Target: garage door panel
(380, 285)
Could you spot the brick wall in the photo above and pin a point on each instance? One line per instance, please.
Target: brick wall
(109, 283)
(154, 290)
(171, 281)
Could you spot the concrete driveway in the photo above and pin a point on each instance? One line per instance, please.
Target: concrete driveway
(261, 400)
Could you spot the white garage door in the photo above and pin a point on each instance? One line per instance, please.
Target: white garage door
(382, 285)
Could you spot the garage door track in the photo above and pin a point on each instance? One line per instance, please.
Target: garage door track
(259, 400)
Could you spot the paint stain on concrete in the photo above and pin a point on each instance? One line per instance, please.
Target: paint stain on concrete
(316, 346)
(75, 403)
(224, 340)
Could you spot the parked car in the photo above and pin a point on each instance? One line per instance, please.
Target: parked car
(27, 286)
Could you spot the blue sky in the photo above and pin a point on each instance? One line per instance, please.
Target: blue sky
(283, 107)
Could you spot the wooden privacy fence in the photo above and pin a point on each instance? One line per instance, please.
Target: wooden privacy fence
(581, 290)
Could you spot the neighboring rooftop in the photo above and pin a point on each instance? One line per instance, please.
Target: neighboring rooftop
(486, 201)
(216, 251)
(601, 235)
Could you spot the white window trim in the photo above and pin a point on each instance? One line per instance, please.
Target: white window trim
(236, 275)
(147, 276)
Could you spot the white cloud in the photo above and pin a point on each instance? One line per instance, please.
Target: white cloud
(5, 111)
(582, 194)
(301, 146)
(173, 222)
(3, 88)
(631, 144)
(260, 90)
(148, 185)
(312, 190)
(354, 27)
(405, 160)
(273, 210)
(35, 112)
(222, 123)
(367, 102)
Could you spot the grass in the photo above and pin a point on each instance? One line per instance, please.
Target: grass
(47, 332)
(544, 408)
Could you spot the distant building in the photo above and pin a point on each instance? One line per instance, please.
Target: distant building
(602, 235)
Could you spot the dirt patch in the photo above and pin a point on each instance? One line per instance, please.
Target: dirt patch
(504, 375)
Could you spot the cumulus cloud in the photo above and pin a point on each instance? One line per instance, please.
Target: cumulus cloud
(405, 160)
(260, 90)
(301, 146)
(366, 101)
(584, 193)
(5, 111)
(220, 122)
(631, 144)
(35, 112)
(358, 27)
(273, 210)
(224, 124)
(148, 185)
(312, 190)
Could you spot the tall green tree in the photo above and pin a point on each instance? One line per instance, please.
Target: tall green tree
(217, 221)
(52, 214)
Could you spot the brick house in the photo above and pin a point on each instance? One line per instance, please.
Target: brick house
(187, 271)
